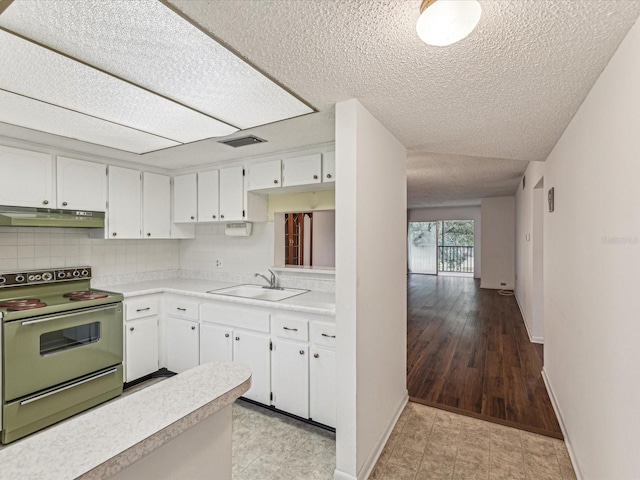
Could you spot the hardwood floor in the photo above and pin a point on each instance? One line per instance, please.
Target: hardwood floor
(468, 352)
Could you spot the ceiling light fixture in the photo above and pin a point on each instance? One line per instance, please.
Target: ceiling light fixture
(445, 22)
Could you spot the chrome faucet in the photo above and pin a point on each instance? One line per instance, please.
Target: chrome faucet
(271, 282)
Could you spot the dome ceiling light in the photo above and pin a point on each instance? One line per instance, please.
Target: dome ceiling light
(445, 22)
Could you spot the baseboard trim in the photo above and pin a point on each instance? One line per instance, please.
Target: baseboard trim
(567, 440)
(370, 463)
(532, 339)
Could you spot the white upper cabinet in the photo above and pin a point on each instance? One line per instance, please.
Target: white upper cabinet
(124, 203)
(329, 167)
(156, 205)
(82, 185)
(26, 178)
(232, 194)
(265, 175)
(302, 170)
(208, 196)
(185, 198)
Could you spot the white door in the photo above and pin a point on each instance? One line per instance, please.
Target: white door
(183, 344)
(185, 198)
(156, 205)
(216, 343)
(422, 248)
(124, 203)
(26, 179)
(141, 347)
(329, 167)
(253, 350)
(265, 175)
(231, 194)
(302, 170)
(81, 185)
(208, 196)
(322, 390)
(290, 376)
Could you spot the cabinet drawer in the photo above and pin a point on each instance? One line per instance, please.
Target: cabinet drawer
(323, 334)
(294, 328)
(181, 309)
(236, 317)
(141, 307)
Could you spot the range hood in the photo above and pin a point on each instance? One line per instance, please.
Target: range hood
(46, 217)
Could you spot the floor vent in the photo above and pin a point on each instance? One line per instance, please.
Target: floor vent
(242, 141)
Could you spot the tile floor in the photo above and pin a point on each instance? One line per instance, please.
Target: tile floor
(428, 443)
(271, 446)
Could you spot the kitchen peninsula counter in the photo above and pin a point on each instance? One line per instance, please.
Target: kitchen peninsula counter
(120, 437)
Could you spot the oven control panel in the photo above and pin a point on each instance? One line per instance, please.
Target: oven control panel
(34, 277)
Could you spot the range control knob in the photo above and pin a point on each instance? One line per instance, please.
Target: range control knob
(19, 278)
(2, 279)
(61, 274)
(46, 276)
(85, 273)
(76, 273)
(31, 278)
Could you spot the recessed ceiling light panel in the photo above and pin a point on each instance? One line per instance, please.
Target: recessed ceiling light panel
(148, 44)
(29, 113)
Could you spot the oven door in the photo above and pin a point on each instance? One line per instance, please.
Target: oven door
(46, 351)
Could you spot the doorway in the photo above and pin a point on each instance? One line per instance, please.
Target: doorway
(444, 247)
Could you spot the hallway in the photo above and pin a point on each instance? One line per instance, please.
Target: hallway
(468, 352)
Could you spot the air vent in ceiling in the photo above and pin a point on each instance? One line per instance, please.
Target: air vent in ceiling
(242, 141)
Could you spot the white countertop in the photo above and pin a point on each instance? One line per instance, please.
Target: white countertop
(321, 303)
(108, 438)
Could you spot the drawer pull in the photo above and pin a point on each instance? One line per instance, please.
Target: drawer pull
(181, 309)
(226, 335)
(328, 336)
(237, 339)
(301, 352)
(143, 309)
(316, 355)
(291, 329)
(193, 328)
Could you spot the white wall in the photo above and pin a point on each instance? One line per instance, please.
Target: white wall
(29, 248)
(524, 282)
(498, 243)
(456, 213)
(591, 258)
(370, 287)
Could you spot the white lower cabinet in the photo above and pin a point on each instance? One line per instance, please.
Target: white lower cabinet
(183, 344)
(216, 343)
(322, 388)
(253, 349)
(141, 347)
(290, 377)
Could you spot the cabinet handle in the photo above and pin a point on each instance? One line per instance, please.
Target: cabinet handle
(237, 339)
(143, 309)
(213, 216)
(226, 335)
(131, 329)
(315, 177)
(291, 329)
(148, 234)
(328, 336)
(46, 202)
(193, 328)
(114, 234)
(221, 216)
(192, 217)
(275, 181)
(301, 352)
(316, 355)
(328, 175)
(64, 204)
(184, 310)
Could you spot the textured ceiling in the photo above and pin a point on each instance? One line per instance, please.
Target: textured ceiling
(507, 91)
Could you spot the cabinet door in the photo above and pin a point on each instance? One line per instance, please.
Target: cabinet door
(185, 198)
(26, 179)
(124, 203)
(231, 194)
(329, 167)
(156, 205)
(183, 344)
(216, 343)
(253, 350)
(322, 398)
(290, 376)
(265, 175)
(141, 347)
(302, 170)
(208, 196)
(81, 185)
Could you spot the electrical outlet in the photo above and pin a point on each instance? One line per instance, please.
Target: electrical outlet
(219, 263)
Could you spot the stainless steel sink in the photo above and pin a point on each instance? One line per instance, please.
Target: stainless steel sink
(258, 292)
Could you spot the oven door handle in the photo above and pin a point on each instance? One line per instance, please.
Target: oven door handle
(66, 315)
(58, 390)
